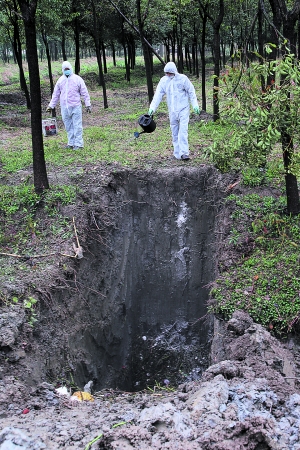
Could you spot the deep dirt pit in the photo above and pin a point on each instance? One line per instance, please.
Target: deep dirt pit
(131, 314)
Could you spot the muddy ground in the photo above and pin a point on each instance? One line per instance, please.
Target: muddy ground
(245, 394)
(246, 400)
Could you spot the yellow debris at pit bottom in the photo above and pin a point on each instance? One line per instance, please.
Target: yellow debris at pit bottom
(83, 396)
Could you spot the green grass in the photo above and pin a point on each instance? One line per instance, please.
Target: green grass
(266, 284)
(21, 231)
(18, 155)
(12, 198)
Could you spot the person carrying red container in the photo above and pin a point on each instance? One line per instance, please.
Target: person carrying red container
(68, 91)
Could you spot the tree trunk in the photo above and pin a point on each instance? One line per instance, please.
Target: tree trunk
(292, 193)
(148, 70)
(291, 185)
(45, 40)
(14, 56)
(17, 49)
(260, 42)
(193, 58)
(180, 48)
(104, 57)
(18, 54)
(127, 67)
(95, 34)
(146, 53)
(55, 52)
(298, 36)
(130, 55)
(274, 38)
(204, 18)
(167, 52)
(28, 10)
(223, 47)
(232, 44)
(63, 46)
(101, 76)
(133, 52)
(217, 54)
(188, 58)
(173, 42)
(113, 54)
(150, 58)
(77, 47)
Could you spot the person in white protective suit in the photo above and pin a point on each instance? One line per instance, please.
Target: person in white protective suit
(180, 93)
(68, 90)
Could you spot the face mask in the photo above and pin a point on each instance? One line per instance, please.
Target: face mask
(67, 72)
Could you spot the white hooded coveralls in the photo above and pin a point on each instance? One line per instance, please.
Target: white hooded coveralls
(68, 90)
(180, 93)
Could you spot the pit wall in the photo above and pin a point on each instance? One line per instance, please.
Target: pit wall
(134, 311)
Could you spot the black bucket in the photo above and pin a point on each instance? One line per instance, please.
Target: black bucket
(147, 123)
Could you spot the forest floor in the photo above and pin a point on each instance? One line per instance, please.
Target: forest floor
(247, 399)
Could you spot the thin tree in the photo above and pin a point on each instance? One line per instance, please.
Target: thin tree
(11, 11)
(95, 33)
(28, 11)
(216, 22)
(203, 12)
(288, 16)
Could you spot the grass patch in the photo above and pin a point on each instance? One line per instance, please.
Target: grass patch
(22, 229)
(18, 155)
(265, 284)
(12, 198)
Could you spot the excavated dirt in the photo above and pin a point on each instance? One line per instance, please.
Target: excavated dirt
(246, 401)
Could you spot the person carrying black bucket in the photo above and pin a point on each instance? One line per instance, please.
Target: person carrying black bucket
(180, 93)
